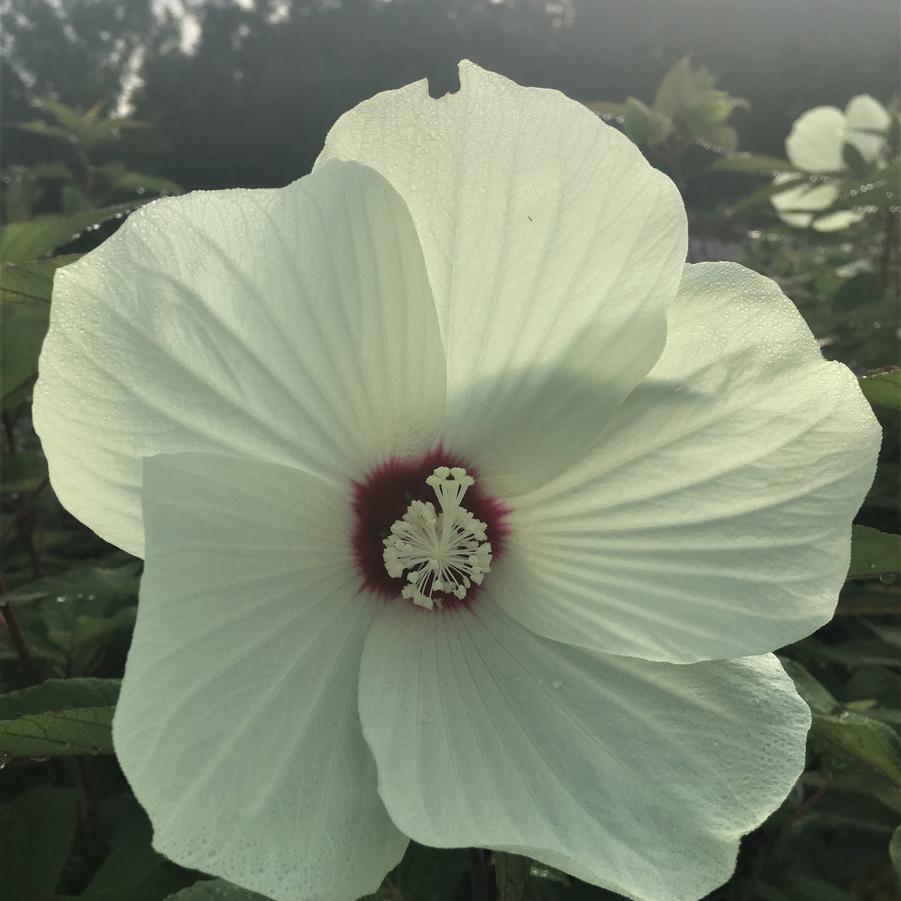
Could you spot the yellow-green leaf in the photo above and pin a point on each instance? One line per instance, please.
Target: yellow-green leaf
(34, 238)
(31, 282)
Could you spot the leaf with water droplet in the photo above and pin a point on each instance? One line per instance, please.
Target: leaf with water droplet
(874, 553)
(58, 717)
(883, 389)
(37, 237)
(105, 579)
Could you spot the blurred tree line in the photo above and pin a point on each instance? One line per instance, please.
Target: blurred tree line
(241, 92)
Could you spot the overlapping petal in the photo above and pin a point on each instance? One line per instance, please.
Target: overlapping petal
(801, 205)
(866, 121)
(292, 325)
(237, 725)
(552, 247)
(816, 139)
(633, 775)
(714, 518)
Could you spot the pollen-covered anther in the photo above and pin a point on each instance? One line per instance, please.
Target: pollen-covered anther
(443, 551)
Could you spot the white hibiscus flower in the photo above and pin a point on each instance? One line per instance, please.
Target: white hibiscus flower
(465, 506)
(816, 145)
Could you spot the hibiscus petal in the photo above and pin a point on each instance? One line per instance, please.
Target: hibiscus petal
(552, 248)
(792, 204)
(237, 725)
(637, 776)
(816, 139)
(863, 116)
(714, 518)
(292, 325)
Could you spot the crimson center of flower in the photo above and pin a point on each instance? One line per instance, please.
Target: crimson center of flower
(424, 530)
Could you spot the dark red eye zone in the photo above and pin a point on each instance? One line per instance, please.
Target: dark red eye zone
(382, 497)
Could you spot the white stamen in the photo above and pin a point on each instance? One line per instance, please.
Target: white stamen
(441, 552)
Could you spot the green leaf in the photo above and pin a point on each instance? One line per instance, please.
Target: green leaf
(722, 137)
(815, 695)
(889, 634)
(74, 200)
(140, 182)
(22, 472)
(675, 88)
(873, 553)
(215, 890)
(853, 653)
(689, 96)
(810, 888)
(22, 331)
(25, 290)
(860, 738)
(72, 634)
(31, 282)
(58, 717)
(24, 241)
(512, 874)
(137, 873)
(644, 126)
(425, 874)
(109, 130)
(849, 777)
(853, 158)
(85, 128)
(86, 580)
(39, 127)
(883, 389)
(36, 833)
(872, 687)
(66, 116)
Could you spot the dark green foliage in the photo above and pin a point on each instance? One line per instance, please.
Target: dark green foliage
(36, 834)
